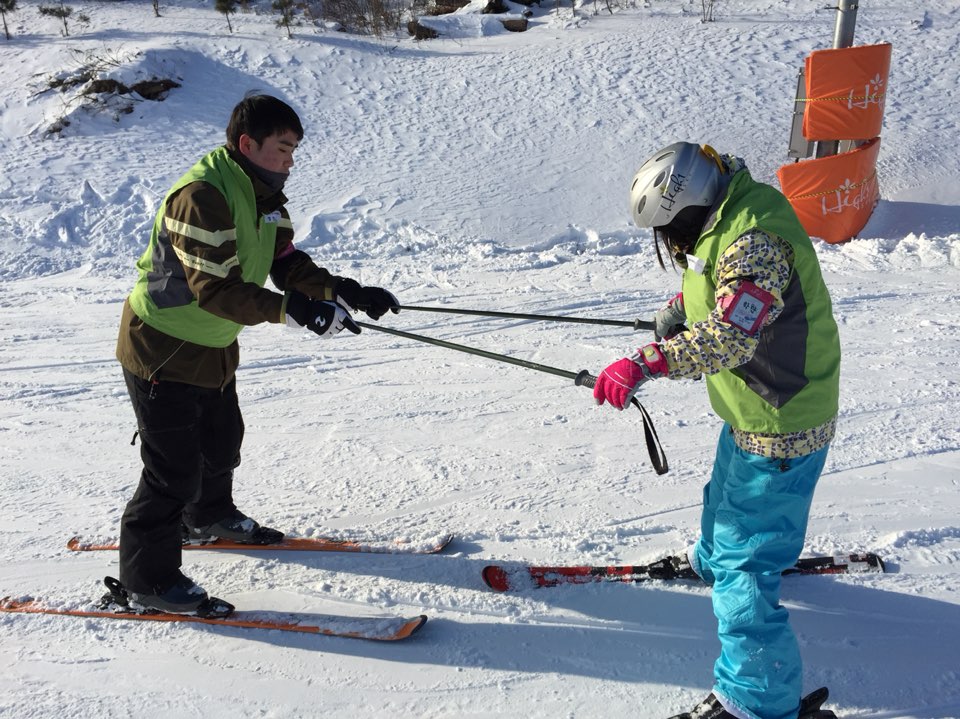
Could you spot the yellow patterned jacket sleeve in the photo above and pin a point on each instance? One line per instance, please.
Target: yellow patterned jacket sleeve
(713, 345)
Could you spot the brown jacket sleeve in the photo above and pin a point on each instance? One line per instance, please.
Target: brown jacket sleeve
(293, 269)
(201, 232)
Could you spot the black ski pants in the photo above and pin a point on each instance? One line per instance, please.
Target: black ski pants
(190, 441)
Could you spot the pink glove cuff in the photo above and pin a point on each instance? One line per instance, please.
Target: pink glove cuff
(652, 357)
(620, 381)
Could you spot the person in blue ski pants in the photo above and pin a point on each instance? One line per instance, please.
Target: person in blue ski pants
(754, 521)
(755, 318)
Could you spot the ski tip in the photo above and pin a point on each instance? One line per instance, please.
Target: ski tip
(410, 628)
(496, 578)
(877, 561)
(421, 620)
(445, 541)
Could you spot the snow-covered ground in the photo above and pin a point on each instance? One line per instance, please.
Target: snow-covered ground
(485, 170)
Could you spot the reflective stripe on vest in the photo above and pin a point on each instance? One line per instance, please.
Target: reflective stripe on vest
(161, 296)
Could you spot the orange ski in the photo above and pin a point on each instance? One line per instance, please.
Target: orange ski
(300, 544)
(385, 629)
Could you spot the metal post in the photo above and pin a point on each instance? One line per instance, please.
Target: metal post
(842, 37)
(799, 147)
(846, 23)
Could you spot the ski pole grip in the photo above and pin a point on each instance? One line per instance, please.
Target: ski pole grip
(584, 379)
(639, 324)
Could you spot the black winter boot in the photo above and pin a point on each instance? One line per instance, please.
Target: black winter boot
(184, 596)
(237, 527)
(709, 708)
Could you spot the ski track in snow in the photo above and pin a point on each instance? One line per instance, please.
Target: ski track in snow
(481, 171)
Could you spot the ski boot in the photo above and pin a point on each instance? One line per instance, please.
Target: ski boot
(711, 708)
(236, 527)
(183, 597)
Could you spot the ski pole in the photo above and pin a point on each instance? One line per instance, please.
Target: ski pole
(637, 324)
(582, 379)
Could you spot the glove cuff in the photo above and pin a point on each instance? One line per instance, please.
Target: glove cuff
(652, 360)
(347, 292)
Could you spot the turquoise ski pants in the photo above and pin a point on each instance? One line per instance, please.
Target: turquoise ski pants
(754, 521)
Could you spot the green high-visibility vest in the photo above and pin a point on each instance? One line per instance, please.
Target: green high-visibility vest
(161, 298)
(792, 382)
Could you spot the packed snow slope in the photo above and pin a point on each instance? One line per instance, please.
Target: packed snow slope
(483, 170)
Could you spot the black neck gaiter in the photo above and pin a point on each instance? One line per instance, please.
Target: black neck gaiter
(274, 181)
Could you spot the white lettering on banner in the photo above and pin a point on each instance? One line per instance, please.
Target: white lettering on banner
(872, 95)
(849, 195)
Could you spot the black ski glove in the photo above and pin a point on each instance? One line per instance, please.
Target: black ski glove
(375, 301)
(325, 318)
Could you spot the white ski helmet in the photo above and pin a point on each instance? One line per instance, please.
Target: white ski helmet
(681, 175)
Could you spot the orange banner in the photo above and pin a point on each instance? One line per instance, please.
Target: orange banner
(846, 89)
(834, 196)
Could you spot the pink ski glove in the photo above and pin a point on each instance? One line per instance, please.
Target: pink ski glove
(620, 381)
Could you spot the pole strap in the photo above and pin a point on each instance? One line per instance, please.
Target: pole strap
(582, 379)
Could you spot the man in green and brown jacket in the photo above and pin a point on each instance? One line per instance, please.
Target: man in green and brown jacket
(221, 231)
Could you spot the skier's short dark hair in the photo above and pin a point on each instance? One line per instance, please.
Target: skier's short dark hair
(261, 116)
